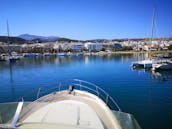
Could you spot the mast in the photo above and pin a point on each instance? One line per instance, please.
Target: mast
(153, 24)
(152, 31)
(8, 33)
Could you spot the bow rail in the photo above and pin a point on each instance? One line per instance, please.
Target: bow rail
(78, 85)
(89, 87)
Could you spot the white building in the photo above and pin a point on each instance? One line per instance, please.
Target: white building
(93, 46)
(77, 47)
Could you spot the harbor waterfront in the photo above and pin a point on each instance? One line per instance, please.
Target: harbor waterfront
(143, 93)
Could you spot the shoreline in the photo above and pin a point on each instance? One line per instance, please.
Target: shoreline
(105, 52)
(142, 52)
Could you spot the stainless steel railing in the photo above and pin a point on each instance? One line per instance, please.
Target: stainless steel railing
(62, 85)
(80, 85)
(89, 87)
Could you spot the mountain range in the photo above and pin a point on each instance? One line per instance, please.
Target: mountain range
(41, 38)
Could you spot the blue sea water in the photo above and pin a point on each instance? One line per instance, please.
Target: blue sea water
(145, 94)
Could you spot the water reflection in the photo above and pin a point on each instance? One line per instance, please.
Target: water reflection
(64, 60)
(162, 75)
(11, 78)
(27, 71)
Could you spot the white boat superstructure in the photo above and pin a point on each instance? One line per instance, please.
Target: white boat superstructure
(72, 106)
(144, 63)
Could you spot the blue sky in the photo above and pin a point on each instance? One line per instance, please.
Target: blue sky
(86, 19)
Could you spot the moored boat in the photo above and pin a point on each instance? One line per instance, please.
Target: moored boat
(4, 57)
(61, 54)
(14, 56)
(149, 63)
(143, 64)
(162, 66)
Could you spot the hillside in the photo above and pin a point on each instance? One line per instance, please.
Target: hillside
(15, 40)
(40, 38)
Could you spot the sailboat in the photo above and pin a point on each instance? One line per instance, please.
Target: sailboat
(13, 56)
(147, 64)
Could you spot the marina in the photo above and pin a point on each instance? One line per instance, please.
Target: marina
(85, 64)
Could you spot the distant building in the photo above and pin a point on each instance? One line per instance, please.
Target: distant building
(61, 46)
(77, 47)
(56, 46)
(146, 48)
(93, 46)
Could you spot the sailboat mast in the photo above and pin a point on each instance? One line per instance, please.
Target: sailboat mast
(153, 25)
(8, 33)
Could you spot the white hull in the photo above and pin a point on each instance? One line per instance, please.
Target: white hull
(150, 63)
(144, 63)
(163, 66)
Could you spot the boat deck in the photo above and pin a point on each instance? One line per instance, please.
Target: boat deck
(80, 109)
(66, 112)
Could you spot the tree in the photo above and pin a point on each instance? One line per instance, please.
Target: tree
(2, 50)
(127, 48)
(103, 49)
(170, 47)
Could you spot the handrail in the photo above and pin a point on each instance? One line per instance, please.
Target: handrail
(81, 85)
(17, 114)
(96, 89)
(91, 84)
(85, 87)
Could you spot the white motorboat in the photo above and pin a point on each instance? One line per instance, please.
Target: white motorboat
(74, 104)
(143, 64)
(162, 66)
(150, 63)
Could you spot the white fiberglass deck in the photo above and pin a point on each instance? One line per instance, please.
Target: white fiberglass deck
(70, 109)
(80, 109)
(143, 62)
(68, 112)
